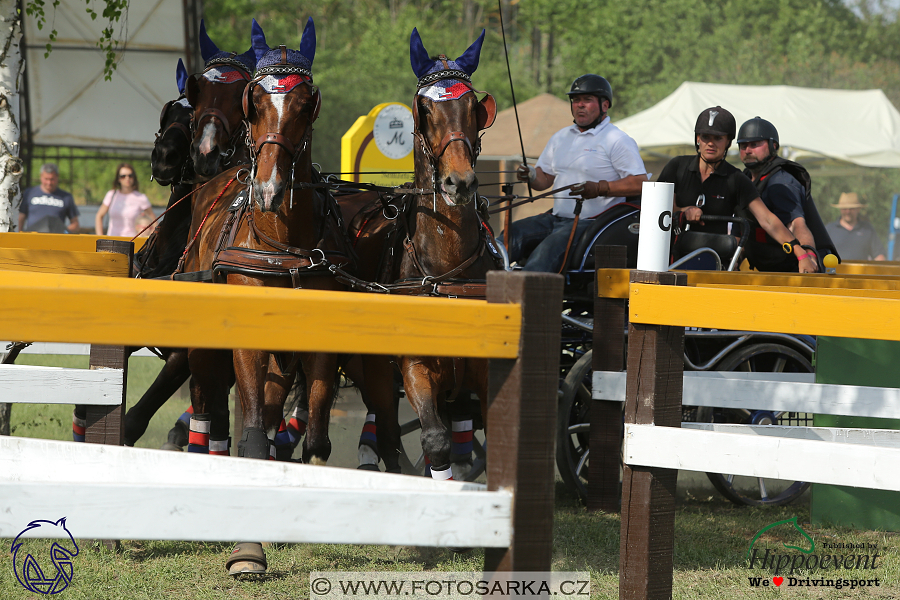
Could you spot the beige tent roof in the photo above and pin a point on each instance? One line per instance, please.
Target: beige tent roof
(540, 117)
(859, 127)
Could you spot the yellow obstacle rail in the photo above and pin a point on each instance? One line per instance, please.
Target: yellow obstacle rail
(105, 264)
(794, 312)
(613, 283)
(60, 241)
(115, 311)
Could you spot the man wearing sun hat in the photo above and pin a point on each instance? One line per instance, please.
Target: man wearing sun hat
(855, 238)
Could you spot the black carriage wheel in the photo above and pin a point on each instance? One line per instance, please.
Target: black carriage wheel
(756, 491)
(574, 427)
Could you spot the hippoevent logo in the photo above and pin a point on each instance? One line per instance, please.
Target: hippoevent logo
(801, 565)
(39, 573)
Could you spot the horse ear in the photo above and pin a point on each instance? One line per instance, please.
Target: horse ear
(468, 62)
(308, 41)
(258, 41)
(181, 76)
(207, 48)
(418, 56)
(486, 112)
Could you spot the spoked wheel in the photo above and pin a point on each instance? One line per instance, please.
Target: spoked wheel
(574, 427)
(764, 358)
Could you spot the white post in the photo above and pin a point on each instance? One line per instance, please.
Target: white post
(656, 226)
(11, 67)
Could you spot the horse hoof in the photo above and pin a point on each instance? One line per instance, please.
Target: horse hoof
(369, 467)
(172, 447)
(247, 558)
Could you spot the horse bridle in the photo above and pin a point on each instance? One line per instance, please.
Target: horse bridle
(163, 129)
(294, 150)
(215, 113)
(486, 113)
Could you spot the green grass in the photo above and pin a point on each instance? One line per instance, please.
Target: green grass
(711, 539)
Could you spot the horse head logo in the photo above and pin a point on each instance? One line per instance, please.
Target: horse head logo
(793, 522)
(30, 574)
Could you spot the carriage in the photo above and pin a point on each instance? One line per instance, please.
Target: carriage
(705, 350)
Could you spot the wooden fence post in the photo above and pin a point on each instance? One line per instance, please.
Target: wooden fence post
(652, 396)
(606, 416)
(105, 424)
(521, 419)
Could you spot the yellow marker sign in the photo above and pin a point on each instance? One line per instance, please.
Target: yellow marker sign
(378, 148)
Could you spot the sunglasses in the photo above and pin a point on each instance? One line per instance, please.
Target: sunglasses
(126, 175)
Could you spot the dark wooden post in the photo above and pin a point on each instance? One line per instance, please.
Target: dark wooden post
(652, 396)
(521, 419)
(606, 416)
(105, 424)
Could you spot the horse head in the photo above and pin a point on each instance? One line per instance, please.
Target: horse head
(171, 150)
(215, 95)
(445, 110)
(280, 105)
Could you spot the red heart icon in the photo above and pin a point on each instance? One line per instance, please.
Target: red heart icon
(778, 580)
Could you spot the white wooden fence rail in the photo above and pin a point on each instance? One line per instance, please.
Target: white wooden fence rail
(152, 494)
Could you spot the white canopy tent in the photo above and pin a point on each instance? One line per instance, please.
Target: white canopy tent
(70, 103)
(858, 127)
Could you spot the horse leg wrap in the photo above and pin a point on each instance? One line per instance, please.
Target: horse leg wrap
(254, 444)
(219, 447)
(79, 424)
(296, 425)
(282, 446)
(445, 474)
(368, 445)
(461, 445)
(198, 436)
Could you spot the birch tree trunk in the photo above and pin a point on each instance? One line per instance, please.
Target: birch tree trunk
(11, 67)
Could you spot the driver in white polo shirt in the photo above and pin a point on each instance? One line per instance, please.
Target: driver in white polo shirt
(603, 162)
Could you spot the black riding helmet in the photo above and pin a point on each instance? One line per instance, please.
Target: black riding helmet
(592, 84)
(715, 121)
(758, 129)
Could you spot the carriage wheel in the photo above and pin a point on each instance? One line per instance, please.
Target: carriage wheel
(574, 427)
(763, 358)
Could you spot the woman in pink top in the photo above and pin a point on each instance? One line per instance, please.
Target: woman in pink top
(124, 203)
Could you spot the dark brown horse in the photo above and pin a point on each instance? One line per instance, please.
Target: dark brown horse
(218, 124)
(440, 234)
(264, 225)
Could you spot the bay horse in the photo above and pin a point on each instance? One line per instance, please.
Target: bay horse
(245, 220)
(219, 133)
(211, 99)
(440, 234)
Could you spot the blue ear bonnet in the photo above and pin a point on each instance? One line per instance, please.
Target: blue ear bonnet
(181, 76)
(273, 57)
(211, 53)
(426, 68)
(302, 58)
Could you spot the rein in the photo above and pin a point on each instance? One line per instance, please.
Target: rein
(180, 266)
